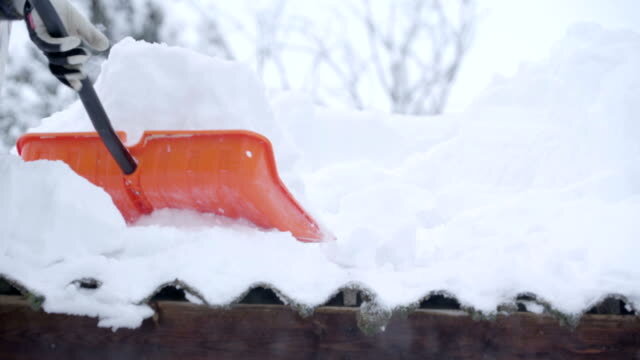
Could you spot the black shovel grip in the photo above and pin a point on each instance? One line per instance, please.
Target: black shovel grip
(88, 95)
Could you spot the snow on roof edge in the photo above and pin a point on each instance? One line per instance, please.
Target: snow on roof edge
(372, 316)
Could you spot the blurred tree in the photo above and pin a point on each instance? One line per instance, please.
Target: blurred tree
(263, 26)
(402, 55)
(140, 19)
(30, 93)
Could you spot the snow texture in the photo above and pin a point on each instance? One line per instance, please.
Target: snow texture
(536, 190)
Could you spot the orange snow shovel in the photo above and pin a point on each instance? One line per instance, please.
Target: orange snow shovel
(230, 173)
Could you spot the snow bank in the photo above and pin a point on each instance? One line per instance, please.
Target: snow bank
(157, 87)
(535, 190)
(49, 214)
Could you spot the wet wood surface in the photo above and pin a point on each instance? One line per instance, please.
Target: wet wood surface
(186, 331)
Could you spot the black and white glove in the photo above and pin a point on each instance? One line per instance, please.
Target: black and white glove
(67, 54)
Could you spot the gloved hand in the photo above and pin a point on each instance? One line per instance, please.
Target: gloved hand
(66, 55)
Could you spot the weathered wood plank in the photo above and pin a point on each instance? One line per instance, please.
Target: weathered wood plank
(185, 331)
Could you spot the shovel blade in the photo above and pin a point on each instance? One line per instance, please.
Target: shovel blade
(230, 173)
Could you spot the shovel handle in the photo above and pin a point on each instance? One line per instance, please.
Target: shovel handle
(88, 95)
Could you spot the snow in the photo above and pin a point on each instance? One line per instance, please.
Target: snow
(533, 307)
(535, 189)
(137, 87)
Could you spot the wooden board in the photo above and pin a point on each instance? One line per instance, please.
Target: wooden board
(185, 331)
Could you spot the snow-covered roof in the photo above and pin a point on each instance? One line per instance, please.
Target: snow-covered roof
(535, 189)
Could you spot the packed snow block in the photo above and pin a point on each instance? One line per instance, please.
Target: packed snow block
(49, 214)
(149, 86)
(228, 173)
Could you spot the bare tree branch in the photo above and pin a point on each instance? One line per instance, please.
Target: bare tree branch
(413, 53)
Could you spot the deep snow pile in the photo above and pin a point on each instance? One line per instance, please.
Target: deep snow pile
(535, 189)
(156, 87)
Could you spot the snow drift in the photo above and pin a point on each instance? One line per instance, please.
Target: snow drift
(536, 189)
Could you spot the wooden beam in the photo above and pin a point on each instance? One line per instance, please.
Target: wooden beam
(186, 331)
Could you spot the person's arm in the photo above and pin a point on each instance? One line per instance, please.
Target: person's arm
(67, 54)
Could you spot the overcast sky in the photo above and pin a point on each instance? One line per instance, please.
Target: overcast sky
(514, 31)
